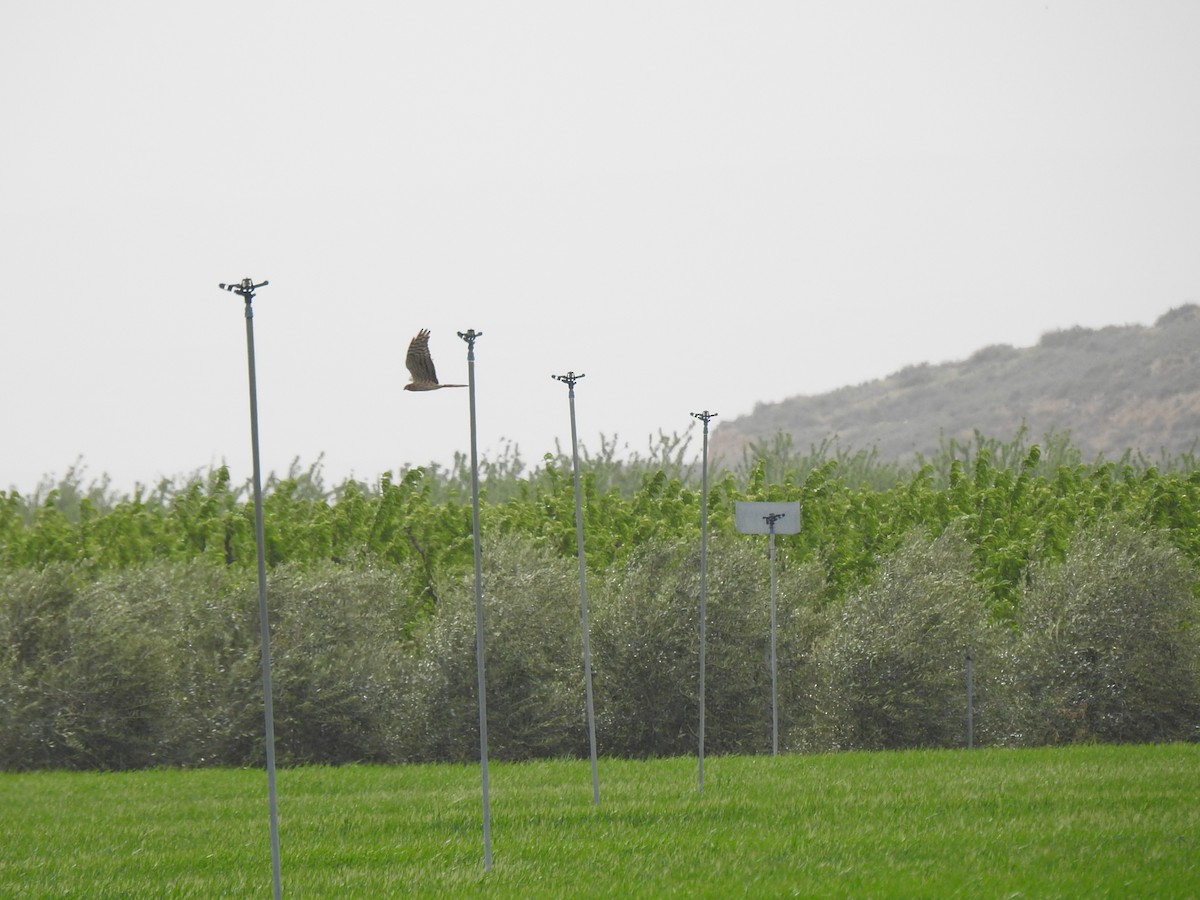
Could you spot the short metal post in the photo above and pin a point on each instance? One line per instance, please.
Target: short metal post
(970, 700)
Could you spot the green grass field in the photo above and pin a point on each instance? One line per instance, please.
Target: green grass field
(1097, 821)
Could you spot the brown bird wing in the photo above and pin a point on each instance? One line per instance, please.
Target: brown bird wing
(419, 362)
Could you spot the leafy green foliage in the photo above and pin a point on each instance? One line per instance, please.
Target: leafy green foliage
(1109, 643)
(533, 661)
(889, 672)
(339, 641)
(645, 642)
(129, 632)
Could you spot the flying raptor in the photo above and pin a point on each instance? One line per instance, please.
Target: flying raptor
(420, 365)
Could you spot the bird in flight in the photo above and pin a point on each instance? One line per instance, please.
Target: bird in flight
(420, 365)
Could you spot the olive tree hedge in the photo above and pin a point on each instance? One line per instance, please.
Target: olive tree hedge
(160, 664)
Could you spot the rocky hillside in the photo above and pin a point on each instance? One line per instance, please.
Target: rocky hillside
(1111, 389)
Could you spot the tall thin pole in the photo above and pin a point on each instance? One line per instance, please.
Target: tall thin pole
(703, 417)
(245, 289)
(569, 380)
(470, 336)
(774, 682)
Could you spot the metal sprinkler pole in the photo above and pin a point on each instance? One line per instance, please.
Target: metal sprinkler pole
(703, 417)
(470, 336)
(245, 289)
(569, 380)
(770, 520)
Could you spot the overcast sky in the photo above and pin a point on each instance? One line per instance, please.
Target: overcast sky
(699, 205)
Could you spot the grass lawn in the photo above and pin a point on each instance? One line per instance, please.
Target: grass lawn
(1097, 821)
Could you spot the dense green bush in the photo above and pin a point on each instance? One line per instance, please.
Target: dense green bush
(738, 680)
(645, 646)
(890, 671)
(129, 631)
(340, 639)
(533, 661)
(1110, 649)
(34, 641)
(210, 613)
(89, 672)
(162, 666)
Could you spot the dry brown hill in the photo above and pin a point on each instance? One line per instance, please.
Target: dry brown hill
(1112, 389)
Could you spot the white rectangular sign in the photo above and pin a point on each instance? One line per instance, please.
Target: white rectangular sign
(753, 518)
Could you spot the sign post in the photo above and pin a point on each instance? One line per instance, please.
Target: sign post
(771, 519)
(703, 417)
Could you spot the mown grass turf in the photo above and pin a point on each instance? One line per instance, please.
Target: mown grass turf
(1086, 821)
